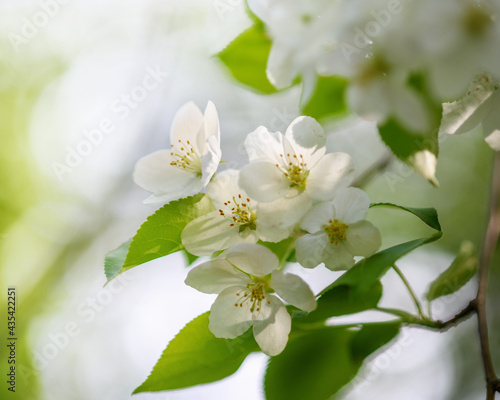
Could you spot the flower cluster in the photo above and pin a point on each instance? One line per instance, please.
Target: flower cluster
(380, 46)
(290, 189)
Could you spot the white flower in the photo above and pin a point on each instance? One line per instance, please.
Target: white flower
(244, 278)
(338, 232)
(379, 90)
(454, 41)
(479, 106)
(187, 167)
(237, 219)
(287, 172)
(301, 32)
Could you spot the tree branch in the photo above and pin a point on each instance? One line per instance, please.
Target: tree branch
(488, 250)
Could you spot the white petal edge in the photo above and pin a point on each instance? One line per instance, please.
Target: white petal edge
(351, 205)
(186, 125)
(285, 212)
(309, 249)
(227, 320)
(306, 135)
(293, 290)
(251, 258)
(272, 334)
(332, 172)
(212, 232)
(263, 181)
(262, 145)
(317, 217)
(214, 276)
(363, 238)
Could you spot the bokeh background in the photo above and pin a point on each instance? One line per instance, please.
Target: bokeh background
(70, 67)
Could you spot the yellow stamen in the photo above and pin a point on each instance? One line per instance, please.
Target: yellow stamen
(336, 231)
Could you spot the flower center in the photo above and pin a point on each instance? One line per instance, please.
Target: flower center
(476, 20)
(252, 296)
(372, 69)
(186, 157)
(336, 231)
(240, 212)
(294, 169)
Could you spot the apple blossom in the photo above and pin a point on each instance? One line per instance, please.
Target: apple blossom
(237, 219)
(245, 277)
(188, 166)
(338, 231)
(288, 172)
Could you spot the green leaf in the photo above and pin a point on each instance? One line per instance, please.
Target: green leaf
(160, 235)
(246, 57)
(285, 250)
(461, 270)
(328, 99)
(419, 151)
(427, 215)
(365, 273)
(196, 356)
(114, 260)
(190, 258)
(359, 288)
(316, 365)
(343, 300)
(371, 338)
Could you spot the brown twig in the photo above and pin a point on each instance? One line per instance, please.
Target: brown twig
(466, 313)
(490, 242)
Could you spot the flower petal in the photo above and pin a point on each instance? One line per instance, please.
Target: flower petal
(281, 68)
(293, 290)
(155, 174)
(491, 127)
(253, 259)
(284, 213)
(309, 249)
(338, 257)
(213, 232)
(351, 205)
(211, 123)
(263, 181)
(186, 125)
(317, 217)
(210, 161)
(271, 234)
(307, 137)
(262, 145)
(214, 276)
(272, 333)
(224, 186)
(227, 319)
(333, 171)
(363, 238)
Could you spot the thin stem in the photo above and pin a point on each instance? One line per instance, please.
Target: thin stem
(410, 290)
(489, 245)
(407, 318)
(368, 174)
